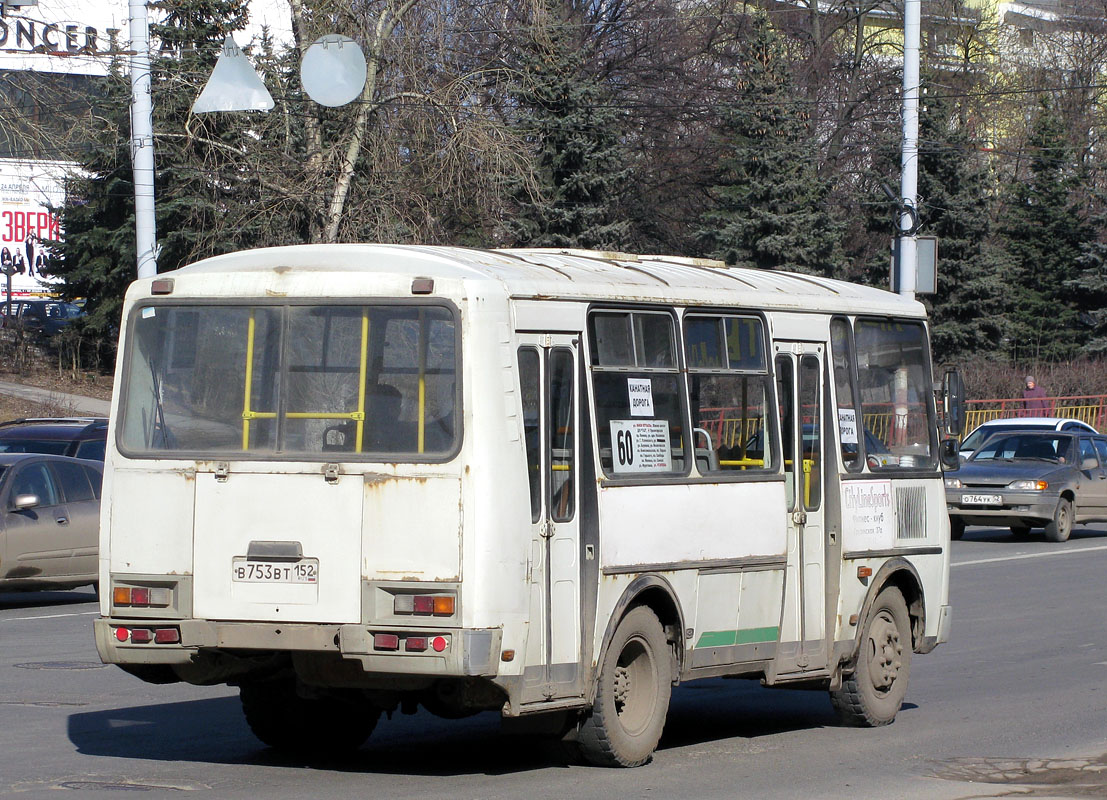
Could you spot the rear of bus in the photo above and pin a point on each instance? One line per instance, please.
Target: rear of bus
(283, 499)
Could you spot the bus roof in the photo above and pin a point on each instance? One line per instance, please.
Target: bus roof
(567, 274)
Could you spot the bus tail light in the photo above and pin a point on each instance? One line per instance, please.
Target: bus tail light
(141, 596)
(167, 636)
(142, 635)
(386, 641)
(425, 605)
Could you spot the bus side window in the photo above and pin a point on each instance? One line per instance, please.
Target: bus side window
(729, 392)
(638, 393)
(561, 435)
(849, 426)
(532, 429)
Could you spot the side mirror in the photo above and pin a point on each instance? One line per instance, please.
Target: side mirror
(953, 402)
(948, 455)
(23, 502)
(1089, 463)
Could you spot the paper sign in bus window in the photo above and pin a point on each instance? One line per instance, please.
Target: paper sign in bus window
(847, 425)
(640, 445)
(640, 391)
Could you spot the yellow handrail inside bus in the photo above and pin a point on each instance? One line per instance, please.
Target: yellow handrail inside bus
(357, 416)
(246, 413)
(362, 368)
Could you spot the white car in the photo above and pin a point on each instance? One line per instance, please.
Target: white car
(986, 429)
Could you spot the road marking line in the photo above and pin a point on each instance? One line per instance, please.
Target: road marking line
(51, 616)
(1028, 555)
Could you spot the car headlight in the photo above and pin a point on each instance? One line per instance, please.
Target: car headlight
(1033, 486)
(953, 483)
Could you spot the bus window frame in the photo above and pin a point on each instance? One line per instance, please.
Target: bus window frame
(299, 457)
(679, 369)
(861, 465)
(772, 472)
(931, 408)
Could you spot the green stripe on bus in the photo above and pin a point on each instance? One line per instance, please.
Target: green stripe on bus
(744, 636)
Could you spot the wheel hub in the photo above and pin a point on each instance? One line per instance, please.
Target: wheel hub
(886, 654)
(622, 687)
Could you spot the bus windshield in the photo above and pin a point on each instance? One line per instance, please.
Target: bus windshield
(315, 381)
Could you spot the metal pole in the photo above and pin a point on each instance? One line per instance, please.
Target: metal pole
(142, 142)
(909, 163)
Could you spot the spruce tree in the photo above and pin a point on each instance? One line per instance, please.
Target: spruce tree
(1091, 282)
(1043, 231)
(199, 182)
(96, 259)
(769, 202)
(954, 186)
(566, 115)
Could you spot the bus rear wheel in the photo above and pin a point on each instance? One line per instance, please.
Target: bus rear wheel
(632, 695)
(328, 725)
(872, 695)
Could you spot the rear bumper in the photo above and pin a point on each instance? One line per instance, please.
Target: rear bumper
(466, 651)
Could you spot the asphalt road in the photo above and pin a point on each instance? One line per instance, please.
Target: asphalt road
(1014, 705)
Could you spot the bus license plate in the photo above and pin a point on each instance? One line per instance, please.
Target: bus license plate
(982, 499)
(304, 571)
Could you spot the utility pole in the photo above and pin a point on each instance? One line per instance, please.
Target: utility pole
(142, 141)
(909, 160)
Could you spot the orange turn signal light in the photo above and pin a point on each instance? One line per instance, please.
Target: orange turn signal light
(864, 572)
(443, 605)
(121, 596)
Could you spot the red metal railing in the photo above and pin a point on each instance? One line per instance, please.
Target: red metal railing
(1091, 409)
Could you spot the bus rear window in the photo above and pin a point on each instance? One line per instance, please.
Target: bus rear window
(376, 382)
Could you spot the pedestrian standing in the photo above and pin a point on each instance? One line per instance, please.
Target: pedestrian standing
(1034, 402)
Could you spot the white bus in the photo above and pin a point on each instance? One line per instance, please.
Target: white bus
(357, 478)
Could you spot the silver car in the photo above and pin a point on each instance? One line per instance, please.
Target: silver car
(50, 515)
(1030, 479)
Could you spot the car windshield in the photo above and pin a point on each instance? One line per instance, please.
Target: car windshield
(977, 437)
(1025, 447)
(50, 446)
(61, 311)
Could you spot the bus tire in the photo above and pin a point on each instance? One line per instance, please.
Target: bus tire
(1060, 527)
(872, 694)
(287, 722)
(632, 694)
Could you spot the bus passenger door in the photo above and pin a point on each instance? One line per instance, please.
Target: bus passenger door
(799, 369)
(548, 381)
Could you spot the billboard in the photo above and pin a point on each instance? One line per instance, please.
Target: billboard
(78, 36)
(28, 189)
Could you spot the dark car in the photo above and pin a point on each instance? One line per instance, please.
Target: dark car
(1030, 479)
(78, 437)
(41, 316)
(49, 521)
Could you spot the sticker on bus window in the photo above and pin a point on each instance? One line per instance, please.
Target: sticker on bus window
(148, 312)
(640, 445)
(847, 425)
(640, 391)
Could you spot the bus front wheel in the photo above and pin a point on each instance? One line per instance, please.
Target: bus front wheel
(285, 720)
(872, 695)
(632, 695)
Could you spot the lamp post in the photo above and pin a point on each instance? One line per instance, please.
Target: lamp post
(909, 158)
(142, 141)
